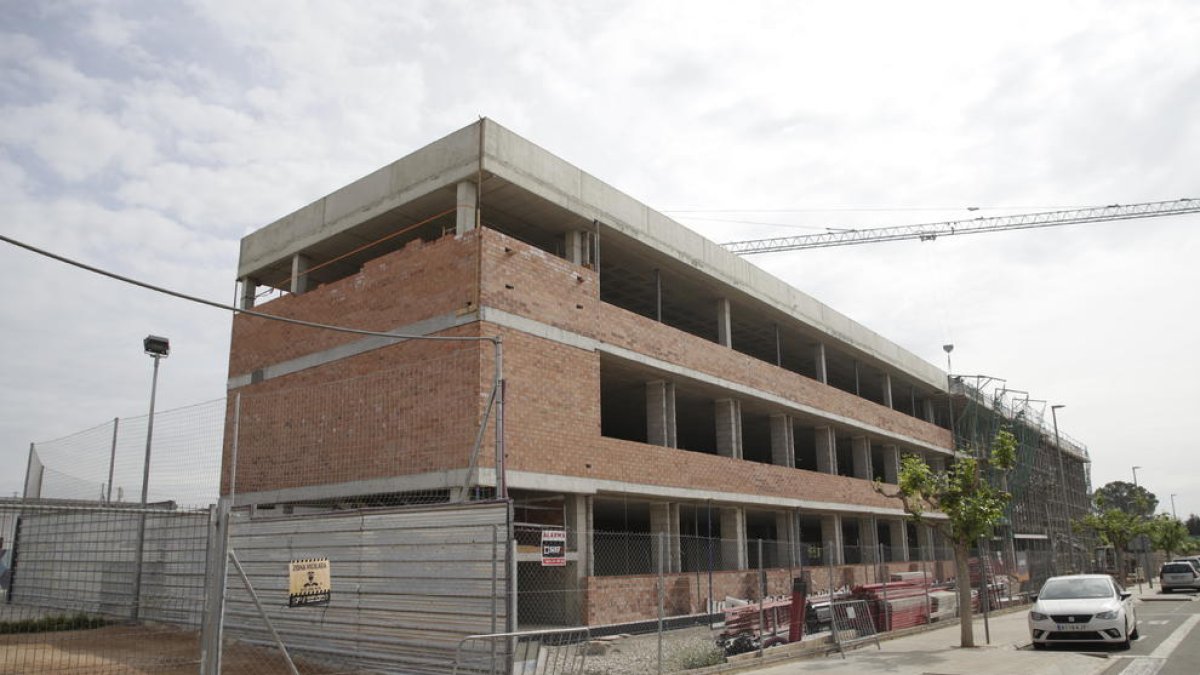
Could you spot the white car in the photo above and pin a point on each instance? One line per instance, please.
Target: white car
(1082, 608)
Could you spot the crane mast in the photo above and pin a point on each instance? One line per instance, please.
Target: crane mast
(931, 231)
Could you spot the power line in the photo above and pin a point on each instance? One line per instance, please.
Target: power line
(234, 308)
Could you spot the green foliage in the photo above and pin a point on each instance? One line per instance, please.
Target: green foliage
(1168, 534)
(1114, 526)
(1193, 525)
(51, 623)
(1127, 497)
(972, 503)
(700, 655)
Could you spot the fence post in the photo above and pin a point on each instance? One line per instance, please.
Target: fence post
(829, 562)
(762, 589)
(662, 542)
(112, 459)
(925, 583)
(213, 622)
(885, 610)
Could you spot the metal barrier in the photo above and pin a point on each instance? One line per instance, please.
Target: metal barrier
(535, 652)
(852, 624)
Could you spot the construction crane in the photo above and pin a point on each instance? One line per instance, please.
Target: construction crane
(931, 231)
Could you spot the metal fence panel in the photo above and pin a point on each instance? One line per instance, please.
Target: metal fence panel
(71, 589)
(406, 585)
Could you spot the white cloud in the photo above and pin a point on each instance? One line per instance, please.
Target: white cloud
(149, 137)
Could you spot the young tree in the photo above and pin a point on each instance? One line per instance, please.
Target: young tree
(1168, 534)
(971, 499)
(1115, 527)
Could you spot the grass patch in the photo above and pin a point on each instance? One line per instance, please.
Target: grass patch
(698, 656)
(48, 624)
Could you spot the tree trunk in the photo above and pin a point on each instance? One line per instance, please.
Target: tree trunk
(1120, 551)
(962, 551)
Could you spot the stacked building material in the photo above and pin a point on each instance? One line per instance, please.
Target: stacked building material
(896, 604)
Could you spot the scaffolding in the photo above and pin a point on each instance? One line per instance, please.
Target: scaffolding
(1050, 484)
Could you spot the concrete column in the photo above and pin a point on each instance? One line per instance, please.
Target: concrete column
(664, 518)
(733, 538)
(868, 539)
(891, 464)
(860, 449)
(887, 390)
(578, 519)
(724, 323)
(826, 450)
(899, 538)
(928, 410)
(783, 441)
(249, 292)
(300, 265)
(729, 428)
(936, 462)
(785, 538)
(819, 358)
(925, 542)
(466, 214)
(831, 537)
(579, 247)
(660, 414)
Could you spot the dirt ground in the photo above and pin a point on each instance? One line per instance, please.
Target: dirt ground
(132, 650)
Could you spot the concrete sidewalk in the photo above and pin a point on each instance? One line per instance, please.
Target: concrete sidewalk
(937, 652)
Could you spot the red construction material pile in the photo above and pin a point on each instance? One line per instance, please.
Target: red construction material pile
(896, 604)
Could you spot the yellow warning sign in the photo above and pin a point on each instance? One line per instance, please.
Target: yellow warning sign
(308, 582)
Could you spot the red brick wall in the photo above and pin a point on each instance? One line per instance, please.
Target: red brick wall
(622, 599)
(422, 280)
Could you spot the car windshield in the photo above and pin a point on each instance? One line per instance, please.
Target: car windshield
(1065, 589)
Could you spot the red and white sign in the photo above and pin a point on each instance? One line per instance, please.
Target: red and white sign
(554, 548)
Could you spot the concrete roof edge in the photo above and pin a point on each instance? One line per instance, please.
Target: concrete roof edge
(531, 167)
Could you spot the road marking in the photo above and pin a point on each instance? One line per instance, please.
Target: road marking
(1172, 642)
(1150, 665)
(1160, 622)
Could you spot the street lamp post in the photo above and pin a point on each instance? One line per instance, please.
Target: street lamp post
(1062, 485)
(1173, 514)
(157, 348)
(1141, 539)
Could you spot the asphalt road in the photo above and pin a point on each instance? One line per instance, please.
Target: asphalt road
(1169, 641)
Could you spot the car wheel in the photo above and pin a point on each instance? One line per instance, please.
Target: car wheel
(1039, 645)
(1125, 645)
(1134, 635)
(1167, 590)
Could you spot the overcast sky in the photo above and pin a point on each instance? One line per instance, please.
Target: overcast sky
(149, 137)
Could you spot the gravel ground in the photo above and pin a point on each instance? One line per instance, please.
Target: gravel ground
(638, 654)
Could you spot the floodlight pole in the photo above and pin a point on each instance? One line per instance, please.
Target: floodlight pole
(157, 348)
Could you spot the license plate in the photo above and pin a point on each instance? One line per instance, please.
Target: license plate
(1067, 627)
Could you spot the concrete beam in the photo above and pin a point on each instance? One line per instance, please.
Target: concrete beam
(300, 264)
(887, 391)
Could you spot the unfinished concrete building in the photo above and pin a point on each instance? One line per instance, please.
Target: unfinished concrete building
(654, 383)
